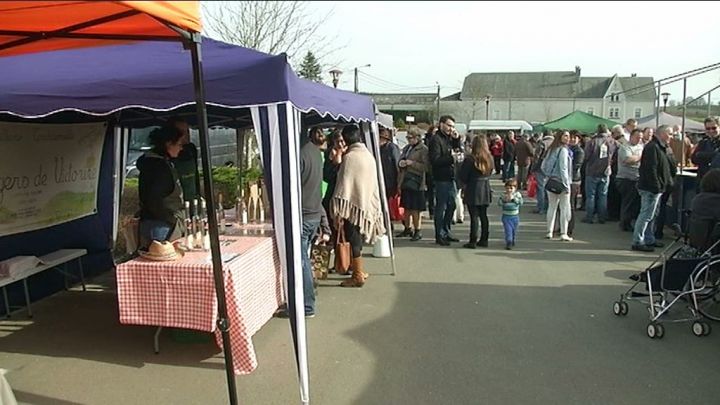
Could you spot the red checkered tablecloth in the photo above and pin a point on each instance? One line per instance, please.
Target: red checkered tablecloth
(181, 293)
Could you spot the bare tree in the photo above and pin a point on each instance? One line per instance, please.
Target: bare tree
(273, 27)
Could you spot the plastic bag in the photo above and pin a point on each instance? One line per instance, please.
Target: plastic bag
(396, 211)
(532, 187)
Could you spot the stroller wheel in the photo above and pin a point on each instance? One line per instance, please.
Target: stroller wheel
(700, 328)
(660, 330)
(655, 330)
(617, 308)
(624, 308)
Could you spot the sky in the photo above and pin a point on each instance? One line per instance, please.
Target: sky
(411, 46)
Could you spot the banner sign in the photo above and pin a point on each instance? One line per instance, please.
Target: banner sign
(48, 174)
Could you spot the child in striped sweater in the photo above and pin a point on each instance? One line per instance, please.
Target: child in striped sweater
(510, 201)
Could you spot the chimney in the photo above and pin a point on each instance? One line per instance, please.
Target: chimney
(577, 71)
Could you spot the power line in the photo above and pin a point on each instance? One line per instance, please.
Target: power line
(675, 78)
(396, 85)
(388, 87)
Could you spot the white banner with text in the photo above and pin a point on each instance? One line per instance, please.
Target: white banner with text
(48, 174)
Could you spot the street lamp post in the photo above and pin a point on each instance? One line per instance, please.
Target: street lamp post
(487, 106)
(335, 76)
(665, 97)
(356, 75)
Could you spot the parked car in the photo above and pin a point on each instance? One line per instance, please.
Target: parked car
(222, 147)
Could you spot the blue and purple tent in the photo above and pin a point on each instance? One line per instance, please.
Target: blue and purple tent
(135, 85)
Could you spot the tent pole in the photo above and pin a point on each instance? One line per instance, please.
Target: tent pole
(118, 177)
(223, 322)
(682, 127)
(657, 108)
(371, 130)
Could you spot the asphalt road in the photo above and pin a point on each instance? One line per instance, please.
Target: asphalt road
(454, 326)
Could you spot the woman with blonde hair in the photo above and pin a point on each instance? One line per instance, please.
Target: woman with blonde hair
(474, 178)
(557, 168)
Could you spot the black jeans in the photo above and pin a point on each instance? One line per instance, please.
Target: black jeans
(613, 200)
(479, 212)
(522, 176)
(352, 234)
(662, 215)
(629, 201)
(498, 165)
(574, 191)
(430, 194)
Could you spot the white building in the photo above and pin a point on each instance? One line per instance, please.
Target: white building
(545, 96)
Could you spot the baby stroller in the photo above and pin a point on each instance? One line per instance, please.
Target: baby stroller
(686, 272)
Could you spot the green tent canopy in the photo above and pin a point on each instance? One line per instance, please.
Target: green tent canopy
(581, 121)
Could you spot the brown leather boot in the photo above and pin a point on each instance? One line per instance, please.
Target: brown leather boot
(358, 275)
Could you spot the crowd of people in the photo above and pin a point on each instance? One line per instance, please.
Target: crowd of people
(623, 173)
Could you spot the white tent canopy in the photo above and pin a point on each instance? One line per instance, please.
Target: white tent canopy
(669, 119)
(385, 120)
(499, 125)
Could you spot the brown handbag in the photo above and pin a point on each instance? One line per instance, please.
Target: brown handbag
(343, 251)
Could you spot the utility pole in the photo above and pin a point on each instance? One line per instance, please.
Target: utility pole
(657, 106)
(356, 80)
(438, 101)
(709, 104)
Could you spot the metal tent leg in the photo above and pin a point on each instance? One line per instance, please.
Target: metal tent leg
(7, 303)
(27, 298)
(82, 274)
(157, 340)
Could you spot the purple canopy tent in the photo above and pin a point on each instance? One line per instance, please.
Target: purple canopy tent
(134, 83)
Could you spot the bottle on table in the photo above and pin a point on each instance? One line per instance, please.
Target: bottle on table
(189, 237)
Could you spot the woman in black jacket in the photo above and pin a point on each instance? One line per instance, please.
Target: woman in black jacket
(578, 157)
(161, 197)
(475, 179)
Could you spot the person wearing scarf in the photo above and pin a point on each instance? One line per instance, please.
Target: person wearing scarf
(355, 204)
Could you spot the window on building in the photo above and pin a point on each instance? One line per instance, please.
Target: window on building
(615, 112)
(614, 97)
(496, 114)
(638, 112)
(591, 111)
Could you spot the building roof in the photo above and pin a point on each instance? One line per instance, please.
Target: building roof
(403, 98)
(568, 84)
(641, 88)
(452, 97)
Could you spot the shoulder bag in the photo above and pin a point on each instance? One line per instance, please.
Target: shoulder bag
(554, 184)
(343, 251)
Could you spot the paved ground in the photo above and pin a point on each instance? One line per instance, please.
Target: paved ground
(455, 326)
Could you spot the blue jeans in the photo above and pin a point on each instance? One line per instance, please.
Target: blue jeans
(445, 192)
(541, 197)
(596, 189)
(510, 225)
(309, 227)
(509, 170)
(153, 229)
(644, 234)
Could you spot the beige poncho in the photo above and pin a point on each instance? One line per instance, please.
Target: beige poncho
(357, 195)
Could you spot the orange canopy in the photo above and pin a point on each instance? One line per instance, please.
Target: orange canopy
(36, 26)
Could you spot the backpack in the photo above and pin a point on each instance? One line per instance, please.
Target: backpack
(539, 155)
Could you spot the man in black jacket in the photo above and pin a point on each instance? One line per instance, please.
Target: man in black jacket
(656, 176)
(390, 156)
(578, 158)
(443, 172)
(508, 157)
(707, 148)
(430, 193)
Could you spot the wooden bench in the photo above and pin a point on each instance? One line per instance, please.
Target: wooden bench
(50, 260)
